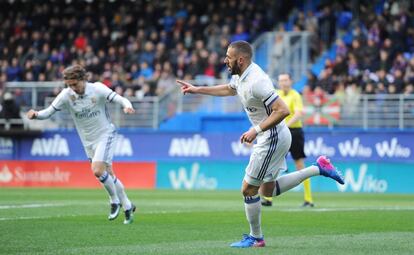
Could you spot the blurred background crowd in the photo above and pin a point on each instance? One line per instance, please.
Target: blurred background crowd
(139, 48)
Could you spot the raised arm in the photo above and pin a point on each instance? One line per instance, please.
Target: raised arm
(218, 90)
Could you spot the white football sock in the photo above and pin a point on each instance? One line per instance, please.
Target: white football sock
(253, 208)
(120, 190)
(108, 183)
(291, 180)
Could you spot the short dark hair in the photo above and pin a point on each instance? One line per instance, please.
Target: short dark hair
(288, 74)
(242, 47)
(75, 72)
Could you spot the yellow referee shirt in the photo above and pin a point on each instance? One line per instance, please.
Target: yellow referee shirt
(293, 100)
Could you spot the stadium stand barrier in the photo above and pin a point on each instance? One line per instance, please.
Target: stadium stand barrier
(357, 111)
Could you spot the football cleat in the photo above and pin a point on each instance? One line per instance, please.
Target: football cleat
(115, 209)
(328, 170)
(307, 204)
(249, 241)
(266, 202)
(129, 214)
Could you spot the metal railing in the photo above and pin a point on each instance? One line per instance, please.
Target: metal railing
(8, 124)
(283, 52)
(363, 111)
(379, 111)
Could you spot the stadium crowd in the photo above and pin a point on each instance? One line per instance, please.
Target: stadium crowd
(375, 55)
(139, 48)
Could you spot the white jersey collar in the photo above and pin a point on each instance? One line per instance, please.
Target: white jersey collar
(246, 72)
(76, 96)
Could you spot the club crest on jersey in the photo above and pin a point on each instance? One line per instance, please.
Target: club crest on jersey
(93, 100)
(73, 99)
(251, 109)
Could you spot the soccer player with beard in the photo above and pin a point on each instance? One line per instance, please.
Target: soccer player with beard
(86, 103)
(266, 112)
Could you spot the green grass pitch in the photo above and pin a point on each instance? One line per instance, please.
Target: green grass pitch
(73, 221)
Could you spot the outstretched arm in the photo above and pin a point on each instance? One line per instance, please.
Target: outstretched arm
(41, 115)
(58, 103)
(218, 90)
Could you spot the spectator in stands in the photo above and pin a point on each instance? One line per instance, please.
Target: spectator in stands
(409, 72)
(398, 80)
(166, 81)
(173, 32)
(10, 110)
(340, 92)
(13, 71)
(352, 97)
(326, 24)
(312, 80)
(240, 34)
(409, 89)
(212, 67)
(146, 70)
(369, 89)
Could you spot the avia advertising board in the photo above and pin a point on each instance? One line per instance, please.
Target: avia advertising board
(7, 148)
(340, 147)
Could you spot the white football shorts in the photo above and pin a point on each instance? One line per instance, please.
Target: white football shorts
(268, 157)
(102, 150)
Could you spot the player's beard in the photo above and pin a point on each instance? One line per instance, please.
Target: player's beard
(235, 69)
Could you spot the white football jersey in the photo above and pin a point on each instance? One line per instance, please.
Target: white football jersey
(257, 94)
(89, 111)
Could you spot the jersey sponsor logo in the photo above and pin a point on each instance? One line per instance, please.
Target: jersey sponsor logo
(55, 146)
(195, 146)
(354, 148)
(123, 146)
(392, 149)
(240, 149)
(364, 183)
(6, 146)
(318, 147)
(87, 113)
(182, 179)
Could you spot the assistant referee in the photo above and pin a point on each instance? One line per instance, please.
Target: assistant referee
(294, 102)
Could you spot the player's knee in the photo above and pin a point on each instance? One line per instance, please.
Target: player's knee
(98, 170)
(97, 173)
(250, 191)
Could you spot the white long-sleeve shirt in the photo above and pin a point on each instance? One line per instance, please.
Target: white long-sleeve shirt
(257, 94)
(89, 111)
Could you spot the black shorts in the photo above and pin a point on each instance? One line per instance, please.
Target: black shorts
(297, 148)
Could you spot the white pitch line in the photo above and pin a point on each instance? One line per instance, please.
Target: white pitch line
(5, 207)
(37, 217)
(346, 209)
(191, 211)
